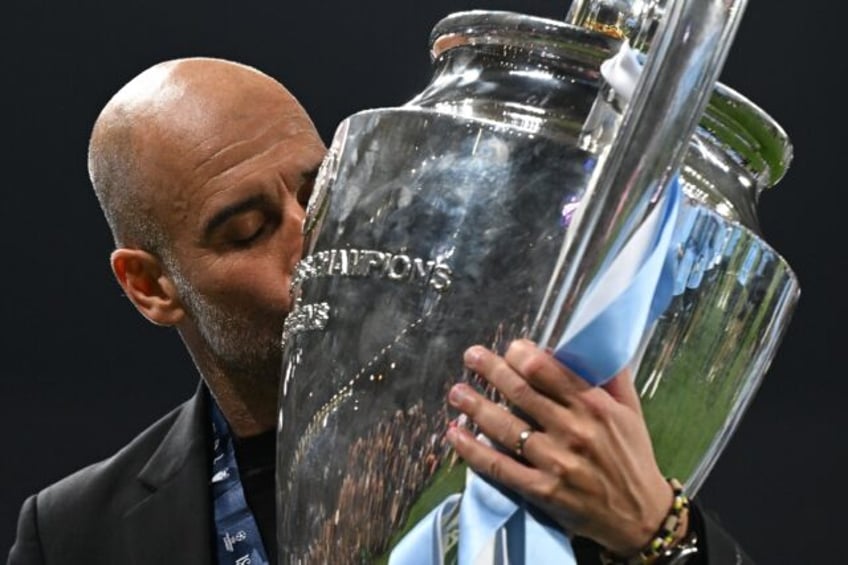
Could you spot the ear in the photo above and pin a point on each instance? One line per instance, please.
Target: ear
(147, 286)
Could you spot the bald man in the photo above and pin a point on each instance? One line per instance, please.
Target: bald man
(202, 168)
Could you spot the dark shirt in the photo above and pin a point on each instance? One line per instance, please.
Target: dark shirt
(255, 456)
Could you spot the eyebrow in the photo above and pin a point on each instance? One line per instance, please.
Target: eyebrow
(235, 209)
(251, 203)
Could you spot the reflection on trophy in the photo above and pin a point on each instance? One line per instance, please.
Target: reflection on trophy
(478, 212)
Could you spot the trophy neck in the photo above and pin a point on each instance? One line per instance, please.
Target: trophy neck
(738, 150)
(534, 74)
(543, 77)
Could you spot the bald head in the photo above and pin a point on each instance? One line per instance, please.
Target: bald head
(163, 125)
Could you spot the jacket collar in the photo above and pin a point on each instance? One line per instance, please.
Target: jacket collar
(173, 523)
(186, 443)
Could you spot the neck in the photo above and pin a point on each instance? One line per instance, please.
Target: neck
(247, 400)
(249, 406)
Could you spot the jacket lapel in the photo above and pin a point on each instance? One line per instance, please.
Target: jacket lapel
(173, 523)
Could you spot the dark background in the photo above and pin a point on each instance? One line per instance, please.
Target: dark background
(83, 372)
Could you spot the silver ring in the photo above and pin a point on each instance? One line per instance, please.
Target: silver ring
(522, 439)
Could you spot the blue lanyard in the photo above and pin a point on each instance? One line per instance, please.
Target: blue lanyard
(238, 539)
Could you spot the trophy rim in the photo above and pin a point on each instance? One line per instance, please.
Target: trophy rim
(742, 128)
(544, 35)
(765, 135)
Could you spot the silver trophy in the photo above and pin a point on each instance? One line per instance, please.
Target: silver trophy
(453, 220)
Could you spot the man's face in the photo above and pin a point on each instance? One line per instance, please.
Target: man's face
(235, 219)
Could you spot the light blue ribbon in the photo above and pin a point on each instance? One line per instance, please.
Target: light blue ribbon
(624, 300)
(496, 527)
(425, 543)
(487, 510)
(490, 529)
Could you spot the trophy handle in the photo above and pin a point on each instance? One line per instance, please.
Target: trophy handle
(684, 59)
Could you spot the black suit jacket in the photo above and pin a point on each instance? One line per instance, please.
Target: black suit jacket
(151, 504)
(148, 504)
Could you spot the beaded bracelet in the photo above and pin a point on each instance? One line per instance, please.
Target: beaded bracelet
(664, 537)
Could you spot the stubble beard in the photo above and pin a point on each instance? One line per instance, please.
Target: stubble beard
(243, 344)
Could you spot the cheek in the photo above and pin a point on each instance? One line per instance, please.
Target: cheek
(267, 277)
(260, 296)
(257, 285)
(258, 281)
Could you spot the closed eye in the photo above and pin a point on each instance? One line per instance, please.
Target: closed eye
(243, 224)
(243, 241)
(246, 228)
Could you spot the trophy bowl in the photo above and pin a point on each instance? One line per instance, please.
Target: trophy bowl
(436, 225)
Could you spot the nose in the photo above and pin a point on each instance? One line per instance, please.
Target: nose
(289, 239)
(300, 221)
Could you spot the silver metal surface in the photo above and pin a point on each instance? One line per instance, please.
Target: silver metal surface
(683, 63)
(437, 225)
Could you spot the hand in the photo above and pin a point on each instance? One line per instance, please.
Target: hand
(590, 465)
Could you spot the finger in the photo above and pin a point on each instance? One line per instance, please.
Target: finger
(492, 463)
(623, 388)
(496, 423)
(553, 492)
(512, 386)
(544, 372)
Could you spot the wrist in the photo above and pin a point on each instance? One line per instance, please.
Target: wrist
(682, 531)
(672, 532)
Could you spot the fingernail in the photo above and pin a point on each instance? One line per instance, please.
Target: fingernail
(484, 440)
(459, 422)
(458, 394)
(472, 356)
(452, 435)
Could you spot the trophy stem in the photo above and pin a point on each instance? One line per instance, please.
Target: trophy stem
(682, 66)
